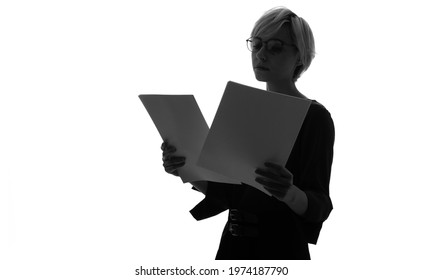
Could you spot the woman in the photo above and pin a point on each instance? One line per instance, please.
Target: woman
(280, 226)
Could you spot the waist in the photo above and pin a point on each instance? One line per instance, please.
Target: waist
(243, 224)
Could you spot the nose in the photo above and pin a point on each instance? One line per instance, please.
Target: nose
(261, 55)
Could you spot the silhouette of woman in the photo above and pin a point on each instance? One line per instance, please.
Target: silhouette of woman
(279, 226)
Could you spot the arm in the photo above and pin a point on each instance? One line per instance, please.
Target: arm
(279, 182)
(201, 186)
(216, 194)
(316, 166)
(308, 194)
(297, 200)
(218, 198)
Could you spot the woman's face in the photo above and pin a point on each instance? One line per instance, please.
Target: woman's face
(277, 64)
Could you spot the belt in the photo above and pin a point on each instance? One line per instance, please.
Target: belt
(242, 223)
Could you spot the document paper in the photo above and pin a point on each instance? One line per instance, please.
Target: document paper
(179, 120)
(252, 126)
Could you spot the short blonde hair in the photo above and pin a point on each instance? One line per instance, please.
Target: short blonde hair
(272, 20)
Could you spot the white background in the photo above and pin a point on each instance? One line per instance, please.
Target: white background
(83, 194)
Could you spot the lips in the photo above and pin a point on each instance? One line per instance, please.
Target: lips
(262, 68)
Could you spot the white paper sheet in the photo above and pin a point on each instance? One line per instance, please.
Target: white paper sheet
(179, 120)
(252, 126)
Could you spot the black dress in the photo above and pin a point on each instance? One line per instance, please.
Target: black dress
(262, 227)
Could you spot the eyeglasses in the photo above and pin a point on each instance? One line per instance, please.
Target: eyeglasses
(273, 46)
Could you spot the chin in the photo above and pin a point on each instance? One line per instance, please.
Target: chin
(261, 77)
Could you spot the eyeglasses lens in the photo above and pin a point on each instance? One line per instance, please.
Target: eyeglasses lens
(274, 46)
(254, 44)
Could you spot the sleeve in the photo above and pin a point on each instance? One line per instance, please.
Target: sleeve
(217, 199)
(317, 158)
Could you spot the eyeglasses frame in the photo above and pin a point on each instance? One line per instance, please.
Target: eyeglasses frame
(265, 43)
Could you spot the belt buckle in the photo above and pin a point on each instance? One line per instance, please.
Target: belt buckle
(234, 215)
(234, 229)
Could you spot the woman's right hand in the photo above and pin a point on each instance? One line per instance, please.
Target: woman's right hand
(171, 162)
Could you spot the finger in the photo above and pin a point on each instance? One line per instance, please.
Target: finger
(174, 159)
(278, 168)
(273, 184)
(166, 146)
(270, 183)
(173, 165)
(267, 174)
(172, 171)
(170, 147)
(279, 194)
(272, 168)
(273, 188)
(169, 150)
(172, 168)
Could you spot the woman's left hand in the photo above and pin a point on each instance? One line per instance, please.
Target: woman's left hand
(275, 178)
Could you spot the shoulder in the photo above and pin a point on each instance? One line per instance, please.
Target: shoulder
(318, 113)
(317, 110)
(319, 118)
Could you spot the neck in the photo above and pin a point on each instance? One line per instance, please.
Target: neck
(285, 87)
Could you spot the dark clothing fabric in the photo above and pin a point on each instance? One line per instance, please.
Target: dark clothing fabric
(277, 232)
